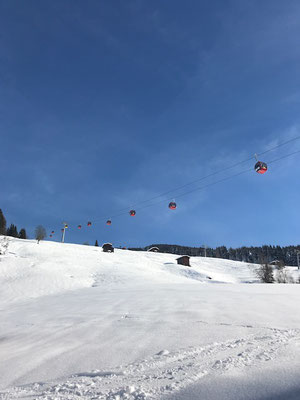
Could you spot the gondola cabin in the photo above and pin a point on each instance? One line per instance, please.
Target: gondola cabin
(108, 222)
(66, 226)
(132, 213)
(79, 227)
(52, 232)
(172, 205)
(107, 248)
(184, 260)
(261, 167)
(89, 223)
(50, 235)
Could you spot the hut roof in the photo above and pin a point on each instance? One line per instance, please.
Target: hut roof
(154, 248)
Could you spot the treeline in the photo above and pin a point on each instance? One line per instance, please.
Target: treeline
(257, 255)
(12, 230)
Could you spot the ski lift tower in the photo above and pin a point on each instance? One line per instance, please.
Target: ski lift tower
(298, 258)
(65, 226)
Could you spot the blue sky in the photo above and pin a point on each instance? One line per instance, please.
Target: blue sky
(104, 104)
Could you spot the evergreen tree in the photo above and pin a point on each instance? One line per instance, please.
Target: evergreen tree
(22, 234)
(12, 231)
(2, 223)
(96, 243)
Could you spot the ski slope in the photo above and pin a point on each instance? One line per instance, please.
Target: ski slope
(77, 323)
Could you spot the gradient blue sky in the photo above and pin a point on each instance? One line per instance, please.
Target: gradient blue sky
(107, 103)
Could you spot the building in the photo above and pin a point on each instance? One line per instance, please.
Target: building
(107, 248)
(277, 263)
(184, 260)
(153, 249)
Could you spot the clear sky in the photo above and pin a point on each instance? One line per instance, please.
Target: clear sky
(105, 104)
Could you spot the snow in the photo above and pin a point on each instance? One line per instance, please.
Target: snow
(77, 323)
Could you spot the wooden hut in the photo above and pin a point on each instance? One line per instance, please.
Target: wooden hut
(107, 248)
(153, 249)
(278, 263)
(184, 260)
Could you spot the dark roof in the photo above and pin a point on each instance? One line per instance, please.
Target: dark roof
(182, 257)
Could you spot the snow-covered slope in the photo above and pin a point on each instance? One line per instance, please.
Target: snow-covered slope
(29, 270)
(135, 325)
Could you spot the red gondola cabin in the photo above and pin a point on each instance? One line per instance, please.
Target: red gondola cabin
(261, 167)
(79, 226)
(108, 222)
(132, 213)
(172, 205)
(89, 223)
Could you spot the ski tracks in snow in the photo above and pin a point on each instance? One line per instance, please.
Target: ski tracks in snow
(163, 373)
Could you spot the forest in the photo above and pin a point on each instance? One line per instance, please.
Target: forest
(258, 254)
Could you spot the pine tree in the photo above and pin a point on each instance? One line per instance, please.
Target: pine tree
(12, 231)
(96, 243)
(2, 224)
(22, 234)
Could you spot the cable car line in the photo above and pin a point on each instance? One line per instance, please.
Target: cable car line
(132, 212)
(286, 156)
(199, 179)
(208, 185)
(220, 180)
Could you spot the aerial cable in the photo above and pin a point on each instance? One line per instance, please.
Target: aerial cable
(235, 175)
(124, 211)
(199, 188)
(214, 183)
(120, 211)
(206, 186)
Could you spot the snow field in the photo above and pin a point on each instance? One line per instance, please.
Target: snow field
(79, 323)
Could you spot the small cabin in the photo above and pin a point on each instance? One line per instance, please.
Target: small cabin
(153, 249)
(278, 263)
(184, 260)
(107, 248)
